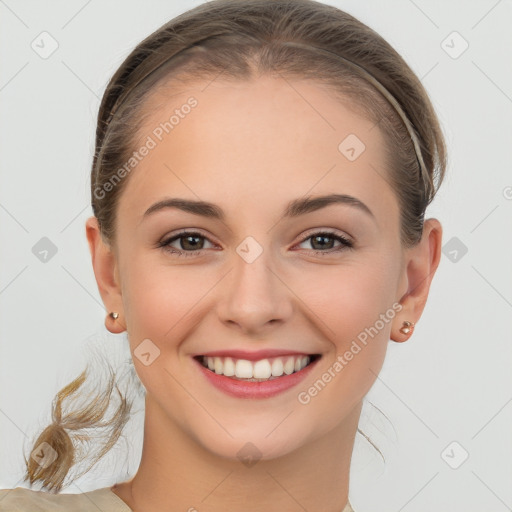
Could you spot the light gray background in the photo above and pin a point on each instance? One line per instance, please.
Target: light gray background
(450, 382)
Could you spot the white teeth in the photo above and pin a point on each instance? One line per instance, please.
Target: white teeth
(243, 369)
(277, 367)
(264, 369)
(289, 366)
(229, 367)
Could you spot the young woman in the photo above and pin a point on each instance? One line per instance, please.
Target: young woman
(259, 185)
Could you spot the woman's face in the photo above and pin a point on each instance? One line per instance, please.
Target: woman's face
(262, 278)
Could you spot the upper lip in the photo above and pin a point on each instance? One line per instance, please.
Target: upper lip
(254, 355)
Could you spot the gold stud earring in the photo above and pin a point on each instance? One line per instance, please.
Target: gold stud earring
(407, 327)
(114, 315)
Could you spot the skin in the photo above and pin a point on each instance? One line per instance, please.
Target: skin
(250, 148)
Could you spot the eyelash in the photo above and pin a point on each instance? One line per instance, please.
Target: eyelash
(165, 244)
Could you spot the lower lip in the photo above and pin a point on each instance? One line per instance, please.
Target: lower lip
(264, 389)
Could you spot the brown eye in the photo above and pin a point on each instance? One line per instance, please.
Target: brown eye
(188, 242)
(324, 242)
(191, 242)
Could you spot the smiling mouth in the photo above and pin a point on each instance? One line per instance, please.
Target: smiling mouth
(257, 371)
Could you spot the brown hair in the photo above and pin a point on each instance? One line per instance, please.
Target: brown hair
(241, 40)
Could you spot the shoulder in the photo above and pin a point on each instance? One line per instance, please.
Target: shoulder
(20, 499)
(348, 507)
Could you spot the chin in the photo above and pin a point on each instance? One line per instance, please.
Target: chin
(263, 439)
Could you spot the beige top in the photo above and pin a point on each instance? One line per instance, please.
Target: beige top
(27, 500)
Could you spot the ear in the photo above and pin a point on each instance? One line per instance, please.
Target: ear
(106, 273)
(421, 262)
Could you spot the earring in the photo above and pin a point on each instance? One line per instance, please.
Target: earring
(114, 315)
(407, 327)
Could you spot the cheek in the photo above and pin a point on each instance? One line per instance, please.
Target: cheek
(353, 305)
(348, 298)
(160, 303)
(157, 297)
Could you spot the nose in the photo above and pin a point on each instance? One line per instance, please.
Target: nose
(254, 297)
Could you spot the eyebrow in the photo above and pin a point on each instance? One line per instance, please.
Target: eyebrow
(294, 208)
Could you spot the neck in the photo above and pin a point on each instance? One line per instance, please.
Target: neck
(176, 473)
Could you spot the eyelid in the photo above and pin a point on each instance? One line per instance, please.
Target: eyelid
(332, 231)
(187, 231)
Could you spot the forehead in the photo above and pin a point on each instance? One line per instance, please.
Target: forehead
(268, 139)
